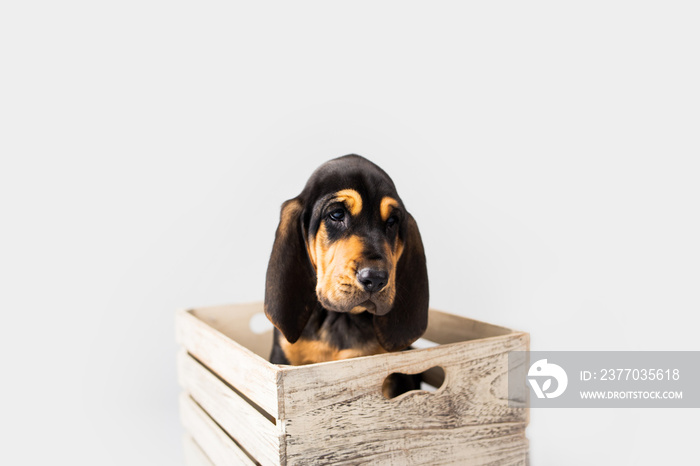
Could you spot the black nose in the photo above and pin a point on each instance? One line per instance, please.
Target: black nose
(372, 279)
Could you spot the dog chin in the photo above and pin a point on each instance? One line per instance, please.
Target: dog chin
(365, 306)
(368, 306)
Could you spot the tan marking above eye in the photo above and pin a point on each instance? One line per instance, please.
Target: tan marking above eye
(386, 206)
(351, 199)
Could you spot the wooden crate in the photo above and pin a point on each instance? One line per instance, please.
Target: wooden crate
(237, 408)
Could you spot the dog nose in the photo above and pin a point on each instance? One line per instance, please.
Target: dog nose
(372, 279)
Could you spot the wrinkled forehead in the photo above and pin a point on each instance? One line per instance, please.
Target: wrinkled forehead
(362, 194)
(365, 191)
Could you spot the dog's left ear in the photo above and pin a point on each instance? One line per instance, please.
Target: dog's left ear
(408, 318)
(290, 286)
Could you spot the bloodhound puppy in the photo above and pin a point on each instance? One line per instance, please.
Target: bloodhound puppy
(347, 275)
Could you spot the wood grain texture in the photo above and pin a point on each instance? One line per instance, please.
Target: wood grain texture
(257, 434)
(318, 385)
(468, 421)
(234, 322)
(250, 374)
(335, 413)
(194, 456)
(456, 448)
(217, 446)
(447, 328)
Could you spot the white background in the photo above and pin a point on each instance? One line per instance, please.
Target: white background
(549, 153)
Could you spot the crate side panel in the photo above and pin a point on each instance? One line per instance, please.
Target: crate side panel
(445, 328)
(238, 366)
(194, 456)
(316, 386)
(233, 320)
(471, 408)
(456, 447)
(236, 416)
(217, 446)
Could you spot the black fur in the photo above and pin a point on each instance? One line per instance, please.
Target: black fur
(291, 302)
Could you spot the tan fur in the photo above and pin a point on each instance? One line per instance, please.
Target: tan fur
(393, 256)
(351, 199)
(290, 212)
(313, 351)
(386, 206)
(312, 243)
(336, 265)
(337, 262)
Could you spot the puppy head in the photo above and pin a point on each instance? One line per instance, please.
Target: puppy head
(348, 243)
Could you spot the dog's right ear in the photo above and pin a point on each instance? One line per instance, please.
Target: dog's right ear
(290, 287)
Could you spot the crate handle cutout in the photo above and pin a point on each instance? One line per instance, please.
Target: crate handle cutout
(432, 380)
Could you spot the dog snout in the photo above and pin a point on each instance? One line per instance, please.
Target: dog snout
(372, 280)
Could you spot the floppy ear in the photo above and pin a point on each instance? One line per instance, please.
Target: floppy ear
(408, 319)
(290, 293)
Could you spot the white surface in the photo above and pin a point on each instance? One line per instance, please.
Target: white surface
(549, 153)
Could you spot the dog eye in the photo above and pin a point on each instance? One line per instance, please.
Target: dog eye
(337, 215)
(391, 221)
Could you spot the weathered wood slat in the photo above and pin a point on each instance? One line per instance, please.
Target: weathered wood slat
(217, 446)
(194, 456)
(250, 374)
(447, 328)
(335, 412)
(255, 433)
(432, 448)
(234, 322)
(316, 386)
(468, 415)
